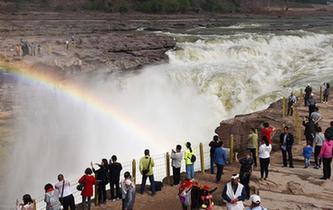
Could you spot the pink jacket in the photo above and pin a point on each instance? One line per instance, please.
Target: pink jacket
(327, 149)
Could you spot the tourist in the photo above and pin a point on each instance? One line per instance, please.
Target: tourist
(176, 162)
(291, 103)
(27, 204)
(213, 144)
(33, 49)
(234, 194)
(18, 50)
(315, 115)
(267, 131)
(39, 50)
(67, 44)
(102, 179)
(245, 171)
(255, 203)
(310, 130)
(128, 192)
(319, 139)
(307, 154)
(114, 175)
(311, 104)
(189, 161)
(65, 193)
(264, 157)
(252, 144)
(220, 157)
(88, 181)
(308, 91)
(326, 93)
(51, 198)
(286, 145)
(146, 169)
(326, 153)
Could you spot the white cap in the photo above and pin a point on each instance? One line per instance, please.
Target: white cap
(235, 176)
(255, 199)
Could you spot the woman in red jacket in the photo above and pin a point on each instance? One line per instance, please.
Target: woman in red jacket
(88, 182)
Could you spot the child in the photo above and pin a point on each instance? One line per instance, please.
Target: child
(307, 153)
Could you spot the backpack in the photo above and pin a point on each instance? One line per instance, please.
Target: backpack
(193, 158)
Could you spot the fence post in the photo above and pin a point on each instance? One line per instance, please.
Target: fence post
(321, 94)
(298, 128)
(167, 158)
(134, 171)
(34, 205)
(96, 194)
(202, 158)
(258, 143)
(283, 107)
(231, 144)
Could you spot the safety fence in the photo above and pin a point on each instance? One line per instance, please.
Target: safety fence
(162, 171)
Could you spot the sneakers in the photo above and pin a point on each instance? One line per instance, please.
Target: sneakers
(291, 167)
(316, 167)
(323, 178)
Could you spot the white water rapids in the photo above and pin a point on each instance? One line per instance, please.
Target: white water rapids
(208, 78)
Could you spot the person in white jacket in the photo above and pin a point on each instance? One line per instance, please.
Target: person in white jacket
(176, 157)
(234, 194)
(264, 157)
(27, 203)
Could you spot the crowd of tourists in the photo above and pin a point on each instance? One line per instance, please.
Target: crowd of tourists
(25, 47)
(191, 194)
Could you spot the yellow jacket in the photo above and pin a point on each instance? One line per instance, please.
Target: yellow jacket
(187, 156)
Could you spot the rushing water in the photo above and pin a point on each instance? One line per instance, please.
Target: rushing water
(213, 74)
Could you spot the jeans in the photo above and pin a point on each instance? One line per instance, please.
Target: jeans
(290, 109)
(152, 183)
(316, 154)
(212, 164)
(264, 163)
(219, 172)
(306, 162)
(101, 192)
(176, 175)
(290, 157)
(245, 180)
(190, 171)
(114, 195)
(327, 167)
(123, 205)
(86, 202)
(68, 201)
(254, 155)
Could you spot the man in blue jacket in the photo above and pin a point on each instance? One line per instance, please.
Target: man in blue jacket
(220, 157)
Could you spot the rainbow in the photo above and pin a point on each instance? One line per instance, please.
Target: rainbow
(76, 92)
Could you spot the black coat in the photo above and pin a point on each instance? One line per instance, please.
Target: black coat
(289, 140)
(310, 128)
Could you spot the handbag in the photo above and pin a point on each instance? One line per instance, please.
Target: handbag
(61, 199)
(80, 186)
(146, 171)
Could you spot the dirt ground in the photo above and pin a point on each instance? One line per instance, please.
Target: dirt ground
(286, 188)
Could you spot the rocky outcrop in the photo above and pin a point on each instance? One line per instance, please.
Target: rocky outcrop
(240, 125)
